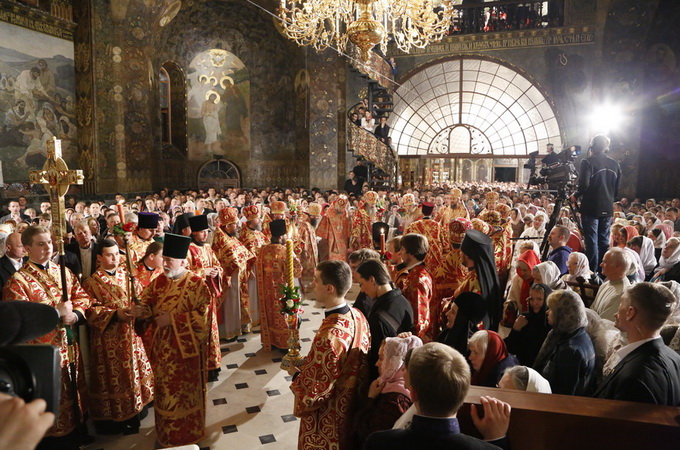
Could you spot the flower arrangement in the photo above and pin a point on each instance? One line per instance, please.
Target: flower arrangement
(291, 301)
(120, 229)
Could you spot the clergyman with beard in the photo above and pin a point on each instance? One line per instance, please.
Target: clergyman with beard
(177, 303)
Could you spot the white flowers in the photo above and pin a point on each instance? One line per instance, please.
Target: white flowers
(290, 303)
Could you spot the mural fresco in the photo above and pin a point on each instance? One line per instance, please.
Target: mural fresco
(37, 85)
(218, 105)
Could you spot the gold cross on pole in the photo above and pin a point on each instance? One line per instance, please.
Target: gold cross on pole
(56, 177)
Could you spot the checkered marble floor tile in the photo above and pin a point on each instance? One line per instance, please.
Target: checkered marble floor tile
(250, 407)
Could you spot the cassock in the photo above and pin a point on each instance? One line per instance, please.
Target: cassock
(418, 292)
(330, 379)
(145, 275)
(237, 262)
(447, 278)
(432, 232)
(32, 283)
(361, 235)
(309, 250)
(137, 248)
(271, 271)
(121, 381)
(253, 240)
(200, 260)
(178, 356)
(335, 228)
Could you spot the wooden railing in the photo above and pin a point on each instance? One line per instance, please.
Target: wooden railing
(376, 68)
(364, 143)
(556, 422)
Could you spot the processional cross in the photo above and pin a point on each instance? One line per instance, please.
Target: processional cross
(56, 177)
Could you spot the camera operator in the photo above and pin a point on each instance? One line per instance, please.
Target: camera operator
(598, 185)
(551, 158)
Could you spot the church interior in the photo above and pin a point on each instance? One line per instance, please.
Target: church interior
(154, 94)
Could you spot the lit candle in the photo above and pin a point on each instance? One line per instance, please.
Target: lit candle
(289, 254)
(382, 241)
(120, 213)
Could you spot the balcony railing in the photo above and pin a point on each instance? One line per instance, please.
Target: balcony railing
(495, 16)
(364, 143)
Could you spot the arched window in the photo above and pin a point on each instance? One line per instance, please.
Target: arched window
(471, 106)
(172, 96)
(219, 174)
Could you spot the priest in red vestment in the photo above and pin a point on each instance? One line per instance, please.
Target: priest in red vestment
(253, 238)
(419, 288)
(178, 304)
(39, 280)
(335, 229)
(201, 259)
(121, 381)
(327, 385)
(362, 221)
(237, 262)
(271, 269)
(142, 236)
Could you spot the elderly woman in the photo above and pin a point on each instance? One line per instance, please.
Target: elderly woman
(523, 378)
(549, 274)
(669, 263)
(489, 358)
(531, 328)
(388, 397)
(644, 247)
(567, 357)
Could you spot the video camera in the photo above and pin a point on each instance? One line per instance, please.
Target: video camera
(29, 371)
(560, 175)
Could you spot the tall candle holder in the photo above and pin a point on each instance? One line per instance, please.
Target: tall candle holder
(291, 308)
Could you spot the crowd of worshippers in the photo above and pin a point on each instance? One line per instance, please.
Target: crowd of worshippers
(448, 299)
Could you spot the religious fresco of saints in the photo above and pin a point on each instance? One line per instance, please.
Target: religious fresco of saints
(219, 105)
(37, 91)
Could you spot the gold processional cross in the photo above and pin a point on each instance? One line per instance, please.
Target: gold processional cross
(56, 177)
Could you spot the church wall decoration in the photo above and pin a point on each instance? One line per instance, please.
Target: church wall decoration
(218, 106)
(37, 92)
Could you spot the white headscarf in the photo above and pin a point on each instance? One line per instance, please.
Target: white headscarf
(667, 263)
(537, 383)
(549, 271)
(582, 267)
(647, 254)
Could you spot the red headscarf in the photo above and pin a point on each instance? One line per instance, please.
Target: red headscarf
(530, 258)
(496, 351)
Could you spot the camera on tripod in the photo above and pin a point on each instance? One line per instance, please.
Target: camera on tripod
(560, 175)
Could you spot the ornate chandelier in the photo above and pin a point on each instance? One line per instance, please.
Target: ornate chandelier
(366, 23)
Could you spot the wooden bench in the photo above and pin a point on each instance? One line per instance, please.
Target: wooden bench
(555, 422)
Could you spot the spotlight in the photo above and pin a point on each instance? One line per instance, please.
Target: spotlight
(606, 118)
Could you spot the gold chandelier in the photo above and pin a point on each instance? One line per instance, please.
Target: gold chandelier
(366, 23)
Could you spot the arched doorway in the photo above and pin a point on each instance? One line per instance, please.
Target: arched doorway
(219, 174)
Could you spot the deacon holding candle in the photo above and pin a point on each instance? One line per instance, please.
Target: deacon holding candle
(276, 265)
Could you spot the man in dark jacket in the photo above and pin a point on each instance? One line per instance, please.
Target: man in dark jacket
(557, 239)
(14, 258)
(598, 186)
(434, 425)
(645, 370)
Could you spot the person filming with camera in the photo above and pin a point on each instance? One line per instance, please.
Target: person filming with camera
(598, 185)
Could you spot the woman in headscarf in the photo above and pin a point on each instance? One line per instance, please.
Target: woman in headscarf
(624, 234)
(516, 223)
(482, 276)
(467, 310)
(523, 378)
(388, 397)
(567, 357)
(579, 267)
(531, 328)
(659, 239)
(644, 247)
(549, 274)
(519, 291)
(489, 358)
(669, 263)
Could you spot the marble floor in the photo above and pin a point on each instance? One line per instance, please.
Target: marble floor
(251, 405)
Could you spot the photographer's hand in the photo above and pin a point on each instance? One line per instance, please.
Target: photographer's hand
(23, 425)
